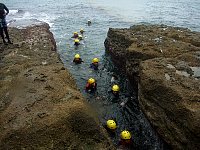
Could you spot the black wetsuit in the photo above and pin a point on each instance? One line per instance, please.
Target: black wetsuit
(91, 87)
(77, 60)
(94, 66)
(126, 144)
(76, 43)
(2, 10)
(114, 97)
(115, 94)
(3, 24)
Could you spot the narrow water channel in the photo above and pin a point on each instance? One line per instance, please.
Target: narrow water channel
(128, 116)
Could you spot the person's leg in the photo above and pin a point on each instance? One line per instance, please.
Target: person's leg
(6, 30)
(7, 35)
(2, 35)
(1, 31)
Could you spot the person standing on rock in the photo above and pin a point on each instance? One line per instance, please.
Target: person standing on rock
(3, 25)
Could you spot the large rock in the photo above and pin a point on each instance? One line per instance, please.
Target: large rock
(163, 63)
(40, 106)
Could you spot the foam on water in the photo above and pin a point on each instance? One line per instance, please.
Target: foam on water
(23, 23)
(19, 15)
(46, 18)
(13, 12)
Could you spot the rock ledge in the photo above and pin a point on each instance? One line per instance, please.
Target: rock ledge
(40, 106)
(163, 63)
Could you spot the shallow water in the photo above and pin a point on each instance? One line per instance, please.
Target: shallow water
(65, 17)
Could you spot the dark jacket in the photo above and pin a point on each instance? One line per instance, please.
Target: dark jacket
(114, 97)
(91, 87)
(2, 10)
(75, 36)
(77, 60)
(115, 94)
(126, 144)
(94, 66)
(76, 43)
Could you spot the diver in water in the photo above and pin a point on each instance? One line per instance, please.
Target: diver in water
(82, 31)
(77, 59)
(95, 64)
(75, 35)
(76, 42)
(91, 86)
(114, 95)
(111, 127)
(89, 22)
(126, 140)
(115, 90)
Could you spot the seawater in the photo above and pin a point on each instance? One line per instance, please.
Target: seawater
(67, 16)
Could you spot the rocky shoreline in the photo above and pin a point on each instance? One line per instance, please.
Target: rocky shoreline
(163, 64)
(40, 105)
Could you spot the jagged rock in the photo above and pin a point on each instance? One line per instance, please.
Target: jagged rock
(40, 105)
(163, 63)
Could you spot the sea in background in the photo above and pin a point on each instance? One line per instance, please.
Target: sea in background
(67, 16)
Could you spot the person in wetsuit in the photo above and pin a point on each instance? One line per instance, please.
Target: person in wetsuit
(115, 91)
(95, 64)
(91, 85)
(77, 59)
(126, 140)
(82, 31)
(76, 42)
(3, 25)
(111, 127)
(89, 22)
(75, 35)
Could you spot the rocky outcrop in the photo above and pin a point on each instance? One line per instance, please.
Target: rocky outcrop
(164, 64)
(40, 106)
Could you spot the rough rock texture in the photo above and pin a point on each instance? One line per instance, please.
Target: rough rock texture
(40, 106)
(164, 64)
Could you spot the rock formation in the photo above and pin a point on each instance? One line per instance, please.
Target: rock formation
(40, 106)
(163, 63)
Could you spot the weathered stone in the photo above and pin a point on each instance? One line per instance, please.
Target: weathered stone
(163, 63)
(40, 106)
(171, 105)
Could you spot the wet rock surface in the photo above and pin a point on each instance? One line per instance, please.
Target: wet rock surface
(40, 106)
(163, 63)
